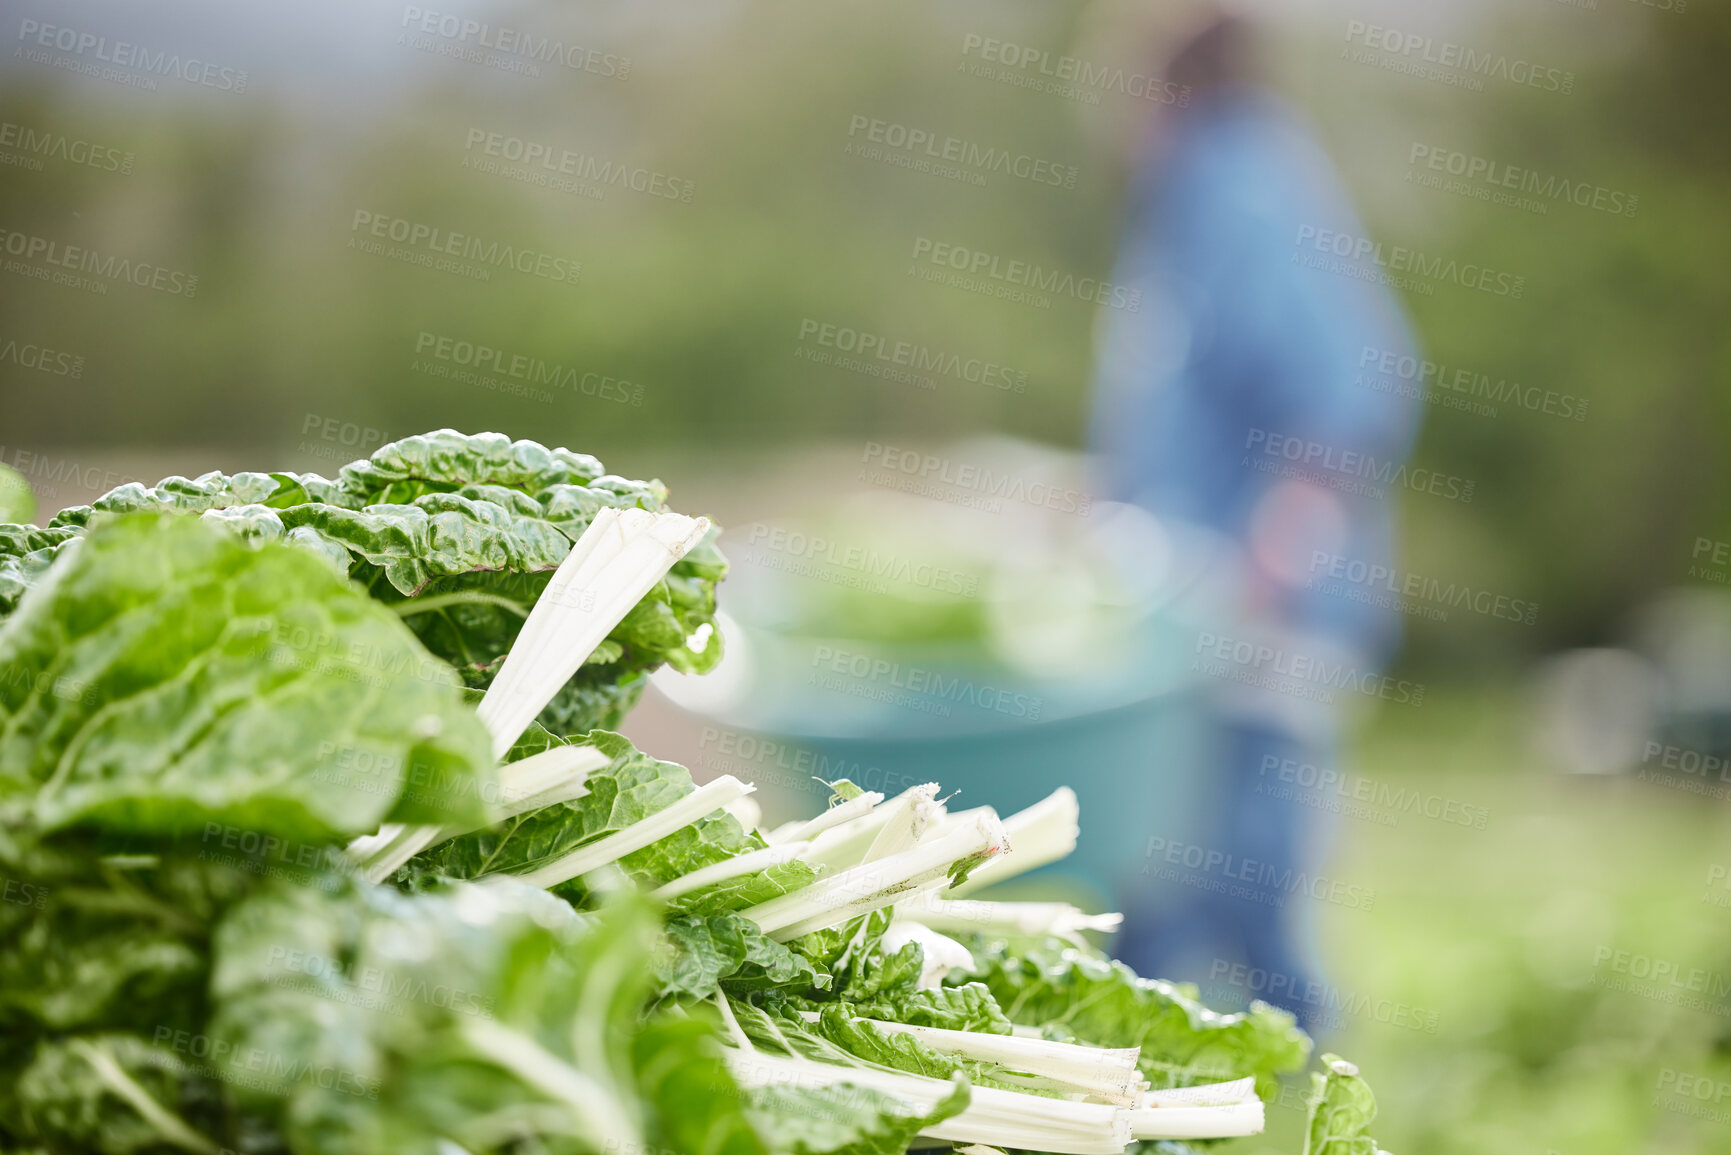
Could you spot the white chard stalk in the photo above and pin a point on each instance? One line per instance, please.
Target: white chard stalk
(612, 566)
(1043, 833)
(979, 916)
(1110, 1074)
(1198, 1122)
(859, 806)
(994, 1117)
(864, 888)
(700, 802)
(907, 821)
(753, 862)
(540, 780)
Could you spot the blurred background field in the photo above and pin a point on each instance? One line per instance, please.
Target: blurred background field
(690, 347)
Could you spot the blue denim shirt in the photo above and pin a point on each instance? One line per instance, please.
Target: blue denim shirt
(1243, 353)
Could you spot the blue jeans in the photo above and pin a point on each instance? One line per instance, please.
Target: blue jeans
(1226, 909)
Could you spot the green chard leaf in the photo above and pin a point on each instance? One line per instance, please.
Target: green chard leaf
(1055, 986)
(164, 675)
(420, 1019)
(117, 1094)
(1342, 1109)
(704, 950)
(470, 526)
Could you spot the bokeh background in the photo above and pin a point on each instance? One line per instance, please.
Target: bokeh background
(1557, 981)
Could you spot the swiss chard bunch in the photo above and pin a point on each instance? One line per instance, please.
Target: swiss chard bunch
(195, 732)
(460, 536)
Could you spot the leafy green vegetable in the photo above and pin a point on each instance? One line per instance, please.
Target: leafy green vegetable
(630, 789)
(704, 950)
(471, 527)
(114, 1093)
(1342, 1109)
(200, 712)
(483, 1015)
(165, 676)
(1053, 985)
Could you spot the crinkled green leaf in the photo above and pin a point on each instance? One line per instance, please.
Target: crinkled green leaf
(374, 994)
(164, 675)
(704, 950)
(748, 890)
(1342, 1109)
(99, 938)
(25, 555)
(1054, 985)
(632, 787)
(969, 1007)
(443, 517)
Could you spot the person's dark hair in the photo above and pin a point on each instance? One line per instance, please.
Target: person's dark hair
(1219, 58)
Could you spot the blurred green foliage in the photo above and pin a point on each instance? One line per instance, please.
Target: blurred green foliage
(1507, 938)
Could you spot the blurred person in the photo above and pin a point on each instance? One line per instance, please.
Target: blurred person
(1239, 354)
